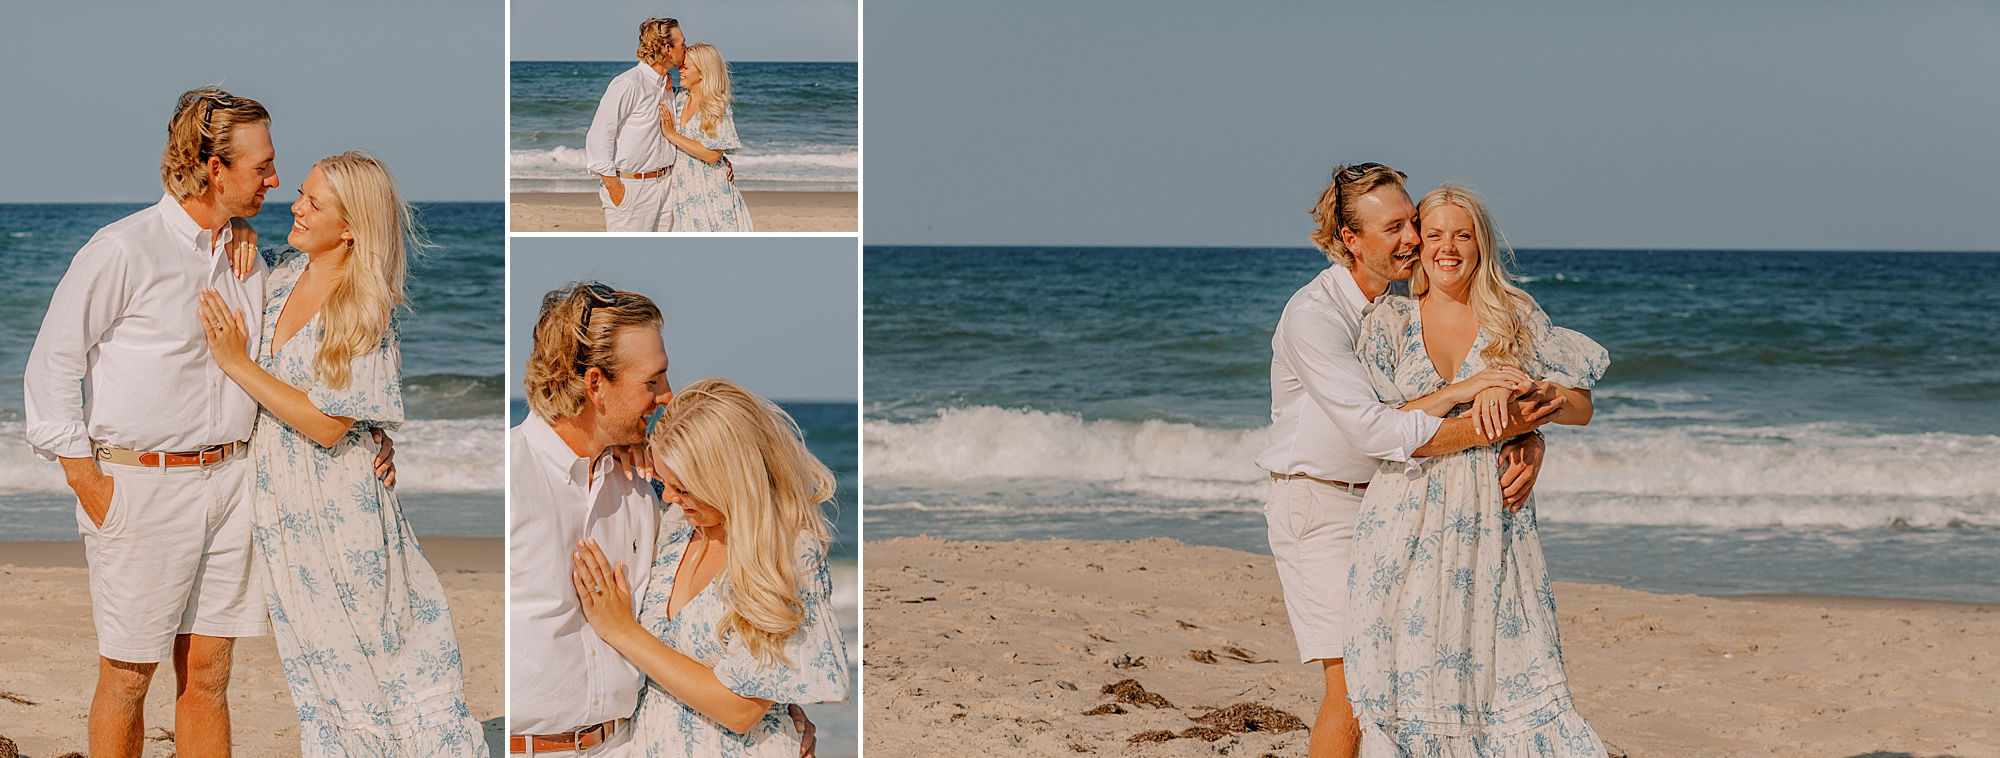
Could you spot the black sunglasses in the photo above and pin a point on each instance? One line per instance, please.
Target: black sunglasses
(1355, 171)
(594, 295)
(208, 121)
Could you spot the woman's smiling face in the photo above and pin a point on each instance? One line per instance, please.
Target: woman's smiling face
(316, 226)
(1451, 252)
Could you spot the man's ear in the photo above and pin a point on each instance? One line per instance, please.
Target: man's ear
(1347, 238)
(215, 167)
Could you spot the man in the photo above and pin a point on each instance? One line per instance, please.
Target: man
(596, 374)
(1328, 431)
(152, 436)
(624, 147)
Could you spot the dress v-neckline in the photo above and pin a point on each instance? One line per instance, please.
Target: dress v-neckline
(280, 320)
(674, 582)
(1423, 345)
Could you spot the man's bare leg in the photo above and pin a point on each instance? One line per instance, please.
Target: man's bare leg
(201, 695)
(118, 708)
(1335, 733)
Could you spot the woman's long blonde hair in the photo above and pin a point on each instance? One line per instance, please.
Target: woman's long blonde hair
(744, 456)
(715, 97)
(358, 310)
(1497, 303)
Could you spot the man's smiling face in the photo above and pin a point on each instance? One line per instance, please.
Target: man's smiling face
(1385, 242)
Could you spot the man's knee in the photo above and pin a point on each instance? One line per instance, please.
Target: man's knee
(124, 680)
(203, 662)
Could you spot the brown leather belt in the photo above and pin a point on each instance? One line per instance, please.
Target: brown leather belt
(207, 456)
(645, 174)
(1342, 485)
(581, 739)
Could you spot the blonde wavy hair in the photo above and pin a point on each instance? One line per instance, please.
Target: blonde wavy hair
(744, 456)
(1335, 209)
(204, 124)
(655, 34)
(566, 347)
(358, 311)
(1500, 306)
(715, 97)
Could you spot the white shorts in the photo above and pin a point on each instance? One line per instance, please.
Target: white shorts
(173, 557)
(1311, 527)
(646, 207)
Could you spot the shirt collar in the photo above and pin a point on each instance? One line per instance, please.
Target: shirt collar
(555, 453)
(652, 78)
(185, 227)
(1343, 282)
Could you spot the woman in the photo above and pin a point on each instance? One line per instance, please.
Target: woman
(702, 127)
(359, 616)
(737, 615)
(1452, 646)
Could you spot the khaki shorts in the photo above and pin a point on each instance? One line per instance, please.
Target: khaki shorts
(1311, 528)
(173, 557)
(645, 207)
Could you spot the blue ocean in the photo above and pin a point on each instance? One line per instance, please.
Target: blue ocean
(450, 454)
(799, 123)
(1772, 422)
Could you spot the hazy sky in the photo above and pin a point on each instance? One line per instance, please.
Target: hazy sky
(777, 315)
(744, 30)
(89, 88)
(1792, 125)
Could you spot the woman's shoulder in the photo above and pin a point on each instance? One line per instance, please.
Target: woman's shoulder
(1391, 310)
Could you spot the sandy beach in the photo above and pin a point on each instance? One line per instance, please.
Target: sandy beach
(769, 211)
(48, 653)
(1025, 648)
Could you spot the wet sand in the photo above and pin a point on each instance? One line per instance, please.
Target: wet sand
(769, 211)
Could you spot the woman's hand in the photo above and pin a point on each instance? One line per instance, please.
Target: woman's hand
(242, 248)
(1514, 379)
(602, 592)
(1490, 411)
(222, 326)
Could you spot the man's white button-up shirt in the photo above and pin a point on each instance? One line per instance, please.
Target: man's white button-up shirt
(121, 358)
(625, 133)
(560, 675)
(1325, 419)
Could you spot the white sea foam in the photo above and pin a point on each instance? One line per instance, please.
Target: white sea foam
(1814, 475)
(794, 164)
(454, 455)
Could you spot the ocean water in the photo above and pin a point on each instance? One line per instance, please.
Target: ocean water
(799, 123)
(832, 433)
(450, 453)
(1810, 422)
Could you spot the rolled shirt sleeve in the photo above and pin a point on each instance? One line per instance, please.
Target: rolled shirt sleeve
(600, 144)
(1319, 347)
(86, 303)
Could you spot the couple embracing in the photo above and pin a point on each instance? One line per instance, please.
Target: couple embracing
(1404, 445)
(659, 151)
(668, 590)
(220, 415)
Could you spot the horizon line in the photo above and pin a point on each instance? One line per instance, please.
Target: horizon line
(1517, 248)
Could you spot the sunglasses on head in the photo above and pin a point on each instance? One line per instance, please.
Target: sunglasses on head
(594, 295)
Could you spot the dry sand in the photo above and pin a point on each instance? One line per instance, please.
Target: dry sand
(48, 653)
(769, 211)
(1005, 645)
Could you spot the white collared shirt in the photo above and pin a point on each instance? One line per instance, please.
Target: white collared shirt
(625, 133)
(1325, 419)
(560, 675)
(121, 358)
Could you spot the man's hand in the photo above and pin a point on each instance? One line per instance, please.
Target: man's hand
(385, 461)
(616, 189)
(808, 734)
(1520, 464)
(730, 170)
(93, 488)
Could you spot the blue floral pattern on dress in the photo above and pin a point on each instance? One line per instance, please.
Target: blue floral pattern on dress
(817, 672)
(1452, 647)
(360, 618)
(704, 200)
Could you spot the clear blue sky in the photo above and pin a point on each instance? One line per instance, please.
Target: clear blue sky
(1790, 125)
(744, 30)
(778, 315)
(89, 87)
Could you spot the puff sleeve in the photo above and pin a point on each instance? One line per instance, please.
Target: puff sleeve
(1565, 356)
(818, 671)
(374, 392)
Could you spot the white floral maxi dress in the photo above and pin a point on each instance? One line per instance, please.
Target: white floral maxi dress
(704, 200)
(817, 672)
(359, 616)
(1452, 647)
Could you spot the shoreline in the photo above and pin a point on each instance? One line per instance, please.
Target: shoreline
(457, 554)
(770, 211)
(1013, 642)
